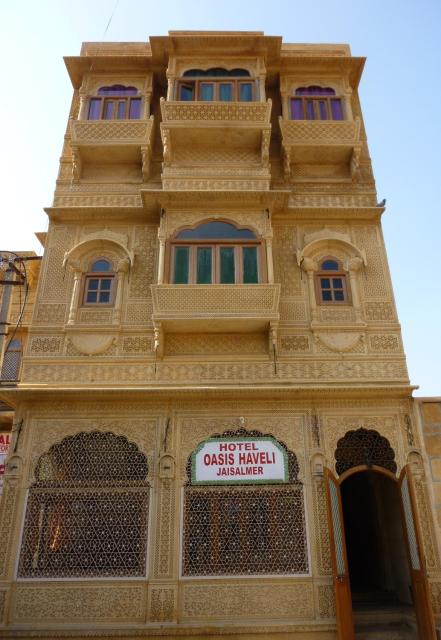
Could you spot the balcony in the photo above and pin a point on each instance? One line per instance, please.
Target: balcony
(111, 142)
(215, 307)
(225, 142)
(316, 148)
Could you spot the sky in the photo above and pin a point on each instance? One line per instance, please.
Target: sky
(400, 95)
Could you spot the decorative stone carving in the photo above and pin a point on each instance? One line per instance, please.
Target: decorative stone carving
(340, 342)
(92, 343)
(162, 603)
(268, 599)
(79, 603)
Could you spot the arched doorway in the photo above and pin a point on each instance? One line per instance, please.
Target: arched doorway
(376, 548)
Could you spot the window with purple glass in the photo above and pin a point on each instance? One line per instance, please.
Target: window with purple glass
(115, 102)
(316, 103)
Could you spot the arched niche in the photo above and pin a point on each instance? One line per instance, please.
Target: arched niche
(103, 245)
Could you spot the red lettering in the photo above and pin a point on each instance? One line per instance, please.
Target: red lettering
(207, 459)
(260, 471)
(222, 446)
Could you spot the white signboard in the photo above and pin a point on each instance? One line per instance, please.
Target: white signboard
(5, 441)
(240, 461)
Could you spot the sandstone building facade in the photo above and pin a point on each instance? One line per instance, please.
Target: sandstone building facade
(217, 430)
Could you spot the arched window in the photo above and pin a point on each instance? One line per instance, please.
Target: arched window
(115, 102)
(246, 529)
(331, 283)
(87, 511)
(316, 103)
(11, 361)
(225, 85)
(99, 283)
(216, 252)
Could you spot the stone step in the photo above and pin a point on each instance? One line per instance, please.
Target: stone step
(385, 632)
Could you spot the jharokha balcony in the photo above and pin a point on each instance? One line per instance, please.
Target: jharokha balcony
(318, 148)
(122, 141)
(216, 138)
(215, 307)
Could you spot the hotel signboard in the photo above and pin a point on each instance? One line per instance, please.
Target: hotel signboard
(5, 441)
(240, 461)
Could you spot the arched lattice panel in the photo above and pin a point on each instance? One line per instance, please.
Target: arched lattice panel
(245, 529)
(364, 447)
(87, 511)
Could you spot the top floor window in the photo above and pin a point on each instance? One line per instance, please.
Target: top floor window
(216, 84)
(116, 102)
(216, 252)
(316, 103)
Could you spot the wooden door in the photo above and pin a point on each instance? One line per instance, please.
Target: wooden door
(420, 584)
(343, 600)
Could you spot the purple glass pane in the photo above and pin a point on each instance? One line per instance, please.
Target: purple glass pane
(336, 109)
(108, 110)
(310, 110)
(135, 109)
(323, 110)
(94, 109)
(118, 90)
(121, 110)
(296, 109)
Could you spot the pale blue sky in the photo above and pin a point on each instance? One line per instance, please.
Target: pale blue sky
(400, 94)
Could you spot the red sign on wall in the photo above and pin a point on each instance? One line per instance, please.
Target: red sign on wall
(5, 442)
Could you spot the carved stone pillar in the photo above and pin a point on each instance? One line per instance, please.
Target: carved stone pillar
(309, 266)
(75, 292)
(285, 105)
(269, 258)
(146, 106)
(146, 156)
(82, 107)
(353, 266)
(161, 260)
(122, 268)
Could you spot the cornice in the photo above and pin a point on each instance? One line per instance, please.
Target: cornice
(24, 392)
(212, 199)
(326, 213)
(77, 66)
(216, 43)
(148, 213)
(295, 64)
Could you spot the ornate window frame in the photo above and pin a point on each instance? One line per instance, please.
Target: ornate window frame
(109, 246)
(294, 490)
(215, 244)
(341, 274)
(319, 246)
(70, 496)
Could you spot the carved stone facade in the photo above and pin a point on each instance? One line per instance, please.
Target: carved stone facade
(164, 364)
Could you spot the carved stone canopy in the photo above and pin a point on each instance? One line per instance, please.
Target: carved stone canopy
(100, 243)
(327, 242)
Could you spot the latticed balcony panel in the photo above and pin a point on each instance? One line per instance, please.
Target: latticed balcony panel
(215, 307)
(249, 114)
(111, 132)
(325, 143)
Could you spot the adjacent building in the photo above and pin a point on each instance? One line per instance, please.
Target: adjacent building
(217, 431)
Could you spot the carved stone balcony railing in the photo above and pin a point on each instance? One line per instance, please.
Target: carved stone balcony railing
(321, 142)
(217, 307)
(248, 113)
(120, 140)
